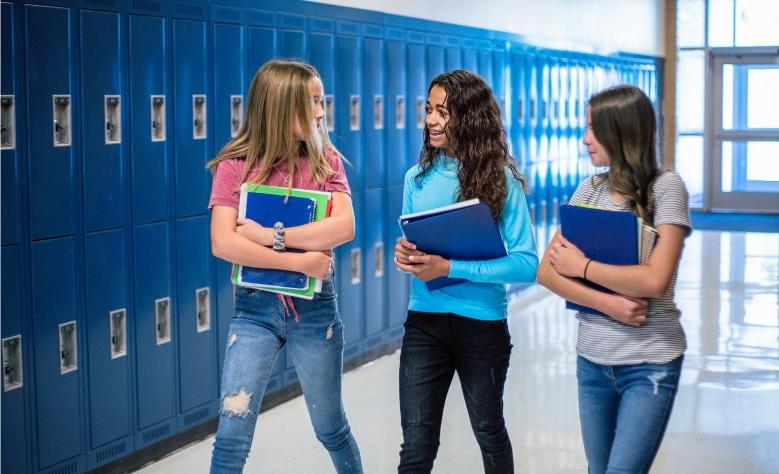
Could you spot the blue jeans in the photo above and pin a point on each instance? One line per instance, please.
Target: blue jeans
(260, 326)
(436, 345)
(624, 410)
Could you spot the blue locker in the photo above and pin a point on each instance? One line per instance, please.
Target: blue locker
(57, 380)
(470, 57)
(348, 98)
(292, 37)
(108, 319)
(9, 156)
(396, 113)
(322, 57)
(518, 120)
(351, 277)
(454, 53)
(192, 180)
(417, 97)
(398, 283)
(51, 156)
(229, 109)
(261, 45)
(154, 332)
(373, 106)
(484, 63)
(149, 113)
(499, 59)
(375, 265)
(101, 93)
(15, 449)
(197, 363)
(436, 62)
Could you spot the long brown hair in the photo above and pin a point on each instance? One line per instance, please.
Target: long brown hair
(623, 121)
(279, 95)
(476, 139)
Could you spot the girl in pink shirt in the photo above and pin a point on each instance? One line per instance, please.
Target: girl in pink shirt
(282, 142)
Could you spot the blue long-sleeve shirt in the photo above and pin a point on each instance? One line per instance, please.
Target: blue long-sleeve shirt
(483, 296)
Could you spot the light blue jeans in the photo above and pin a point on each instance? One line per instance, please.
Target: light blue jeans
(260, 326)
(624, 410)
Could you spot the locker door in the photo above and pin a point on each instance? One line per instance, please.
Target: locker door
(154, 331)
(417, 97)
(435, 59)
(348, 139)
(261, 48)
(375, 266)
(543, 135)
(229, 109)
(102, 113)
(553, 133)
(518, 119)
(292, 37)
(197, 355)
(396, 113)
(17, 376)
(191, 152)
(58, 331)
(108, 321)
(149, 111)
(454, 53)
(323, 59)
(351, 281)
(10, 140)
(470, 57)
(398, 282)
(49, 91)
(373, 106)
(499, 58)
(484, 63)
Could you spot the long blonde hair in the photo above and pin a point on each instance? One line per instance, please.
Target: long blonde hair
(279, 95)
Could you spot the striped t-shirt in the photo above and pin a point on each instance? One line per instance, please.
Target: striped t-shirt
(661, 338)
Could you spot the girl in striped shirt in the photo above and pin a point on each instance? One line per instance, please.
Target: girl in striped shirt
(628, 363)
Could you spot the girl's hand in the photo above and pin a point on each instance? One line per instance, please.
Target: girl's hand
(315, 264)
(425, 267)
(255, 232)
(566, 258)
(626, 309)
(404, 249)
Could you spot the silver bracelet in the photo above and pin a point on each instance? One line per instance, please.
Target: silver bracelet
(278, 237)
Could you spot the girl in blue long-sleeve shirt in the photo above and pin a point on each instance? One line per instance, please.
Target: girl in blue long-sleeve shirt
(461, 328)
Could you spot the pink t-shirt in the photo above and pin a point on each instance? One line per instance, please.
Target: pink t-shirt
(225, 187)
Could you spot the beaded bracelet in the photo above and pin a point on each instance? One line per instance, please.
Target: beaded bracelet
(278, 237)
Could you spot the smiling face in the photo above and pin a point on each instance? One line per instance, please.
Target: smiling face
(437, 117)
(598, 155)
(318, 100)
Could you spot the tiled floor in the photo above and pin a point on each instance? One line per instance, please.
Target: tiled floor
(726, 417)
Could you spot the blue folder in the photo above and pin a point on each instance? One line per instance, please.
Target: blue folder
(266, 210)
(605, 236)
(465, 233)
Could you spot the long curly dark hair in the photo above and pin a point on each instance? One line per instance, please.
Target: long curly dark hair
(623, 121)
(476, 138)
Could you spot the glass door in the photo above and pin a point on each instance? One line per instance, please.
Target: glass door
(743, 142)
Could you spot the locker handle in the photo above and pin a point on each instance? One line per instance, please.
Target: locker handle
(7, 123)
(162, 319)
(354, 113)
(356, 275)
(203, 309)
(378, 259)
(12, 363)
(68, 347)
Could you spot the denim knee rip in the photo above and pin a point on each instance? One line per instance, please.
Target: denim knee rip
(236, 403)
(231, 340)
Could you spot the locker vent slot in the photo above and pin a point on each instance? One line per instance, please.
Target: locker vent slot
(111, 452)
(156, 433)
(193, 417)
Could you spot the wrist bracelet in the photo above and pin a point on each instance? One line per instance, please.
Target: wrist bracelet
(589, 260)
(278, 237)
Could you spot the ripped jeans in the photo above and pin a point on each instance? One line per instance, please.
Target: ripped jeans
(624, 410)
(260, 326)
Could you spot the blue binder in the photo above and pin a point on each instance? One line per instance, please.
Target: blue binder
(610, 237)
(461, 233)
(266, 210)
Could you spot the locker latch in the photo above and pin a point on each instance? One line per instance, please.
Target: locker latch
(7, 123)
(12, 363)
(203, 309)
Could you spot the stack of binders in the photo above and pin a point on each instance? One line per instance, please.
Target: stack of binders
(267, 205)
(612, 237)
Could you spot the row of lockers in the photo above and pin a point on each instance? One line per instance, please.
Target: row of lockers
(114, 313)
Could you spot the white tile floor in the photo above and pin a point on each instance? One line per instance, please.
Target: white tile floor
(726, 417)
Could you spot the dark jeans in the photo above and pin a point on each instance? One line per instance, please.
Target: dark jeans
(436, 345)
